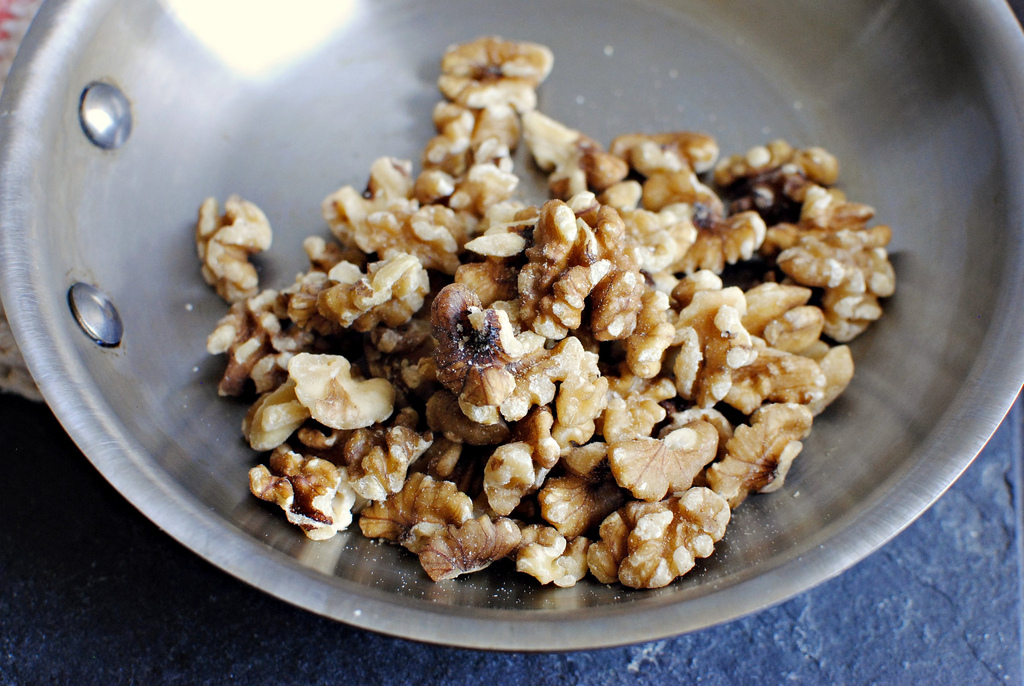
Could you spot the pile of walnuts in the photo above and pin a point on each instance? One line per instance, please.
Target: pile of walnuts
(586, 386)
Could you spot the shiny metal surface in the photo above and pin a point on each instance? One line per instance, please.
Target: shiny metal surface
(95, 314)
(106, 115)
(922, 102)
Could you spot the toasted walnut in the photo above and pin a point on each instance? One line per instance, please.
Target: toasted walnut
(548, 557)
(724, 241)
(469, 547)
(519, 467)
(575, 162)
(257, 344)
(759, 456)
(580, 499)
(777, 377)
(462, 131)
(670, 188)
(634, 405)
(422, 508)
(312, 492)
(645, 349)
(225, 243)
(323, 255)
(664, 236)
(446, 417)
(666, 152)
(475, 348)
(648, 545)
(773, 179)
(491, 71)
(573, 257)
(651, 467)
(491, 280)
(714, 346)
(298, 304)
(853, 268)
(581, 396)
(324, 384)
(385, 219)
(378, 457)
(274, 417)
(836, 364)
(778, 314)
(391, 292)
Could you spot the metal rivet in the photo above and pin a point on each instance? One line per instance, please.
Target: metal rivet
(106, 115)
(96, 314)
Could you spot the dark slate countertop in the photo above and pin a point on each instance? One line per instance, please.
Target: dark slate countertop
(92, 592)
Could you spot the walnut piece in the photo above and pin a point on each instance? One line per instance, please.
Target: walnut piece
(648, 545)
(634, 405)
(378, 457)
(651, 467)
(777, 377)
(226, 242)
(714, 345)
(274, 417)
(550, 558)
(676, 151)
(575, 162)
(446, 417)
(520, 466)
(418, 511)
(778, 314)
(469, 547)
(325, 386)
(759, 456)
(391, 292)
(491, 71)
(580, 499)
(312, 492)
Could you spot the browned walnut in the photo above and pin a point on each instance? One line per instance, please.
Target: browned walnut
(575, 162)
(446, 417)
(225, 243)
(759, 456)
(312, 492)
(491, 71)
(778, 313)
(777, 377)
(422, 508)
(651, 467)
(584, 495)
(390, 293)
(469, 547)
(648, 545)
(378, 457)
(520, 466)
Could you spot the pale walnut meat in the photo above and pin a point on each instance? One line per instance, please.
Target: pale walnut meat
(651, 467)
(778, 313)
(823, 211)
(623, 196)
(670, 188)
(645, 348)
(389, 189)
(298, 303)
(836, 363)
(648, 545)
(664, 236)
(485, 184)
(634, 405)
(258, 343)
(550, 558)
(775, 377)
(378, 457)
(584, 495)
(759, 456)
(274, 417)
(575, 162)
(325, 386)
(491, 280)
(714, 345)
(418, 511)
(323, 254)
(675, 151)
(854, 269)
(226, 241)
(469, 547)
(491, 71)
(312, 492)
(520, 466)
(475, 349)
(446, 418)
(390, 293)
(677, 420)
(401, 339)
(687, 287)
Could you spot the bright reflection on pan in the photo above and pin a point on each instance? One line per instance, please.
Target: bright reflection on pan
(255, 37)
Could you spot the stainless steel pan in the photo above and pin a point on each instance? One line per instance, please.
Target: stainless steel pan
(922, 102)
